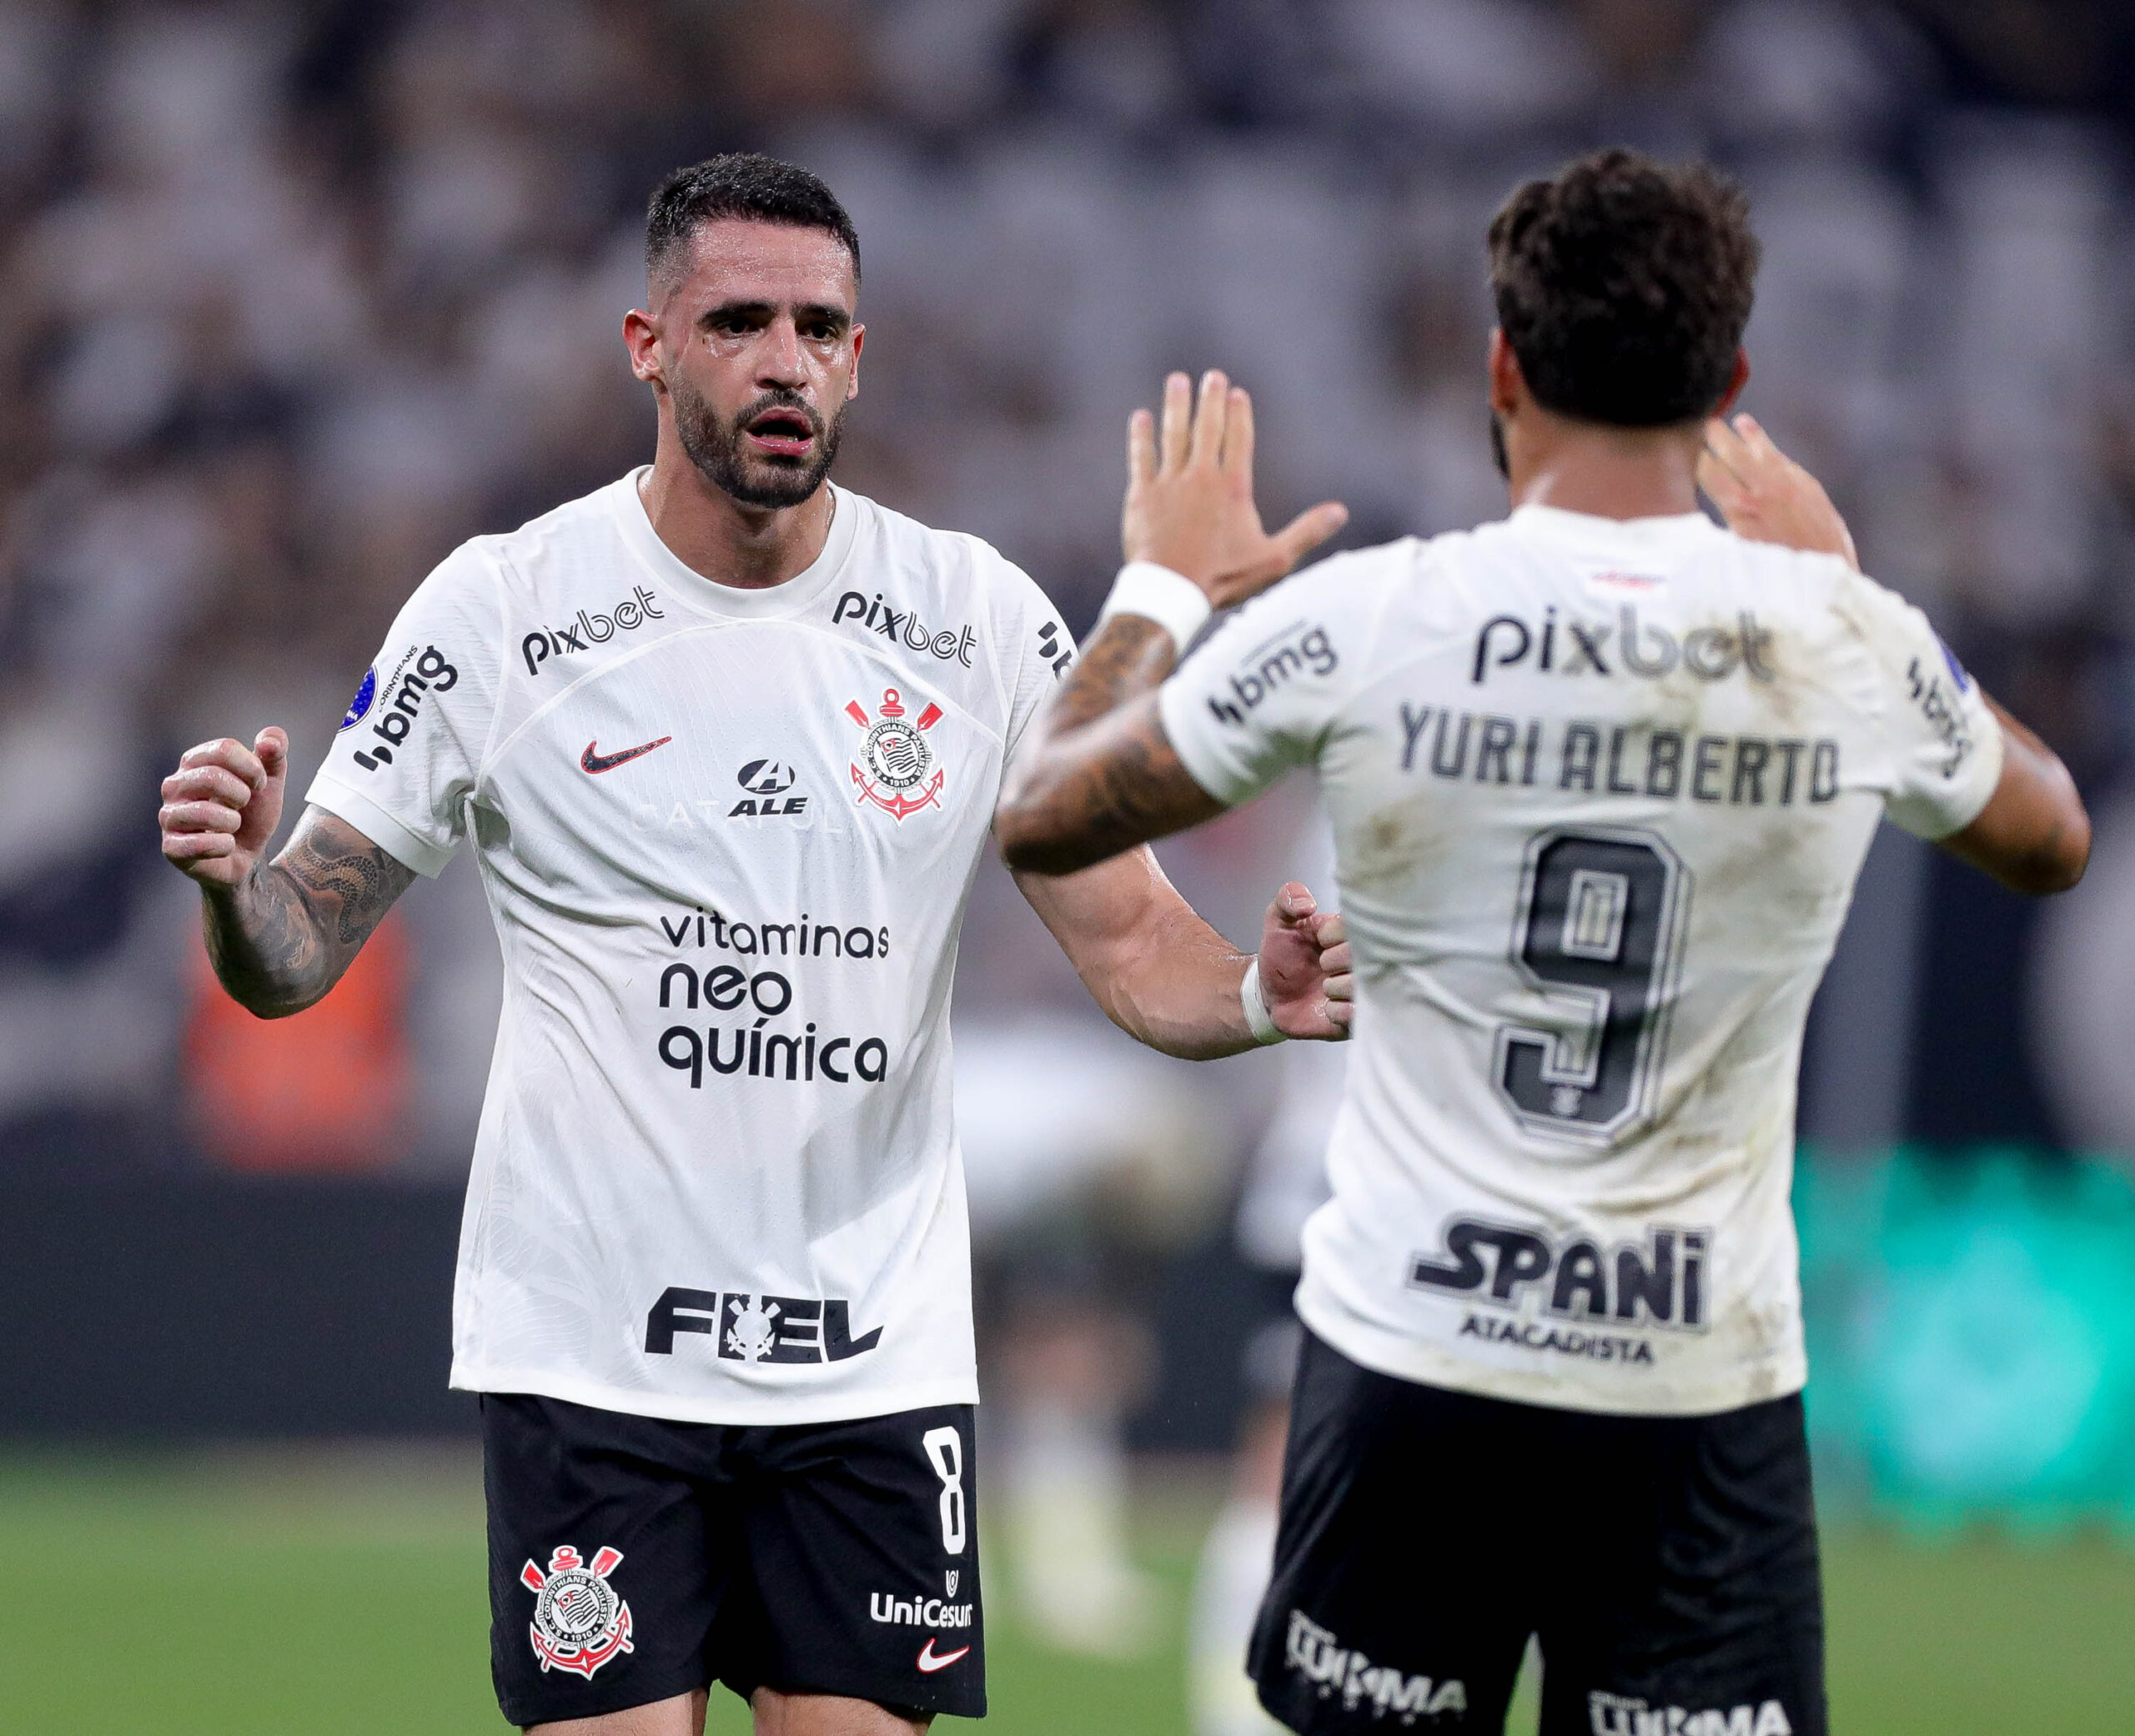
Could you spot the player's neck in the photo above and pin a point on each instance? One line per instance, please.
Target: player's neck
(1610, 472)
(716, 536)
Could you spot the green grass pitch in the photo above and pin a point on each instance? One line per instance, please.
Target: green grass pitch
(310, 1594)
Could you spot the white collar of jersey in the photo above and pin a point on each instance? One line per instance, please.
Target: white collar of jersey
(1587, 526)
(684, 581)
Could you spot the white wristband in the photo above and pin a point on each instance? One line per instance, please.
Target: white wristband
(1173, 601)
(1258, 1020)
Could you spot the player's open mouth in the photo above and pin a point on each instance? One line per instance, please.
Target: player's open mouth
(781, 434)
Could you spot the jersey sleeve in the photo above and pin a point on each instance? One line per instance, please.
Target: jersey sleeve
(411, 747)
(1258, 696)
(1943, 745)
(1031, 647)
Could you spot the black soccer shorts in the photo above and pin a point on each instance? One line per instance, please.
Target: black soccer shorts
(632, 1559)
(1667, 1564)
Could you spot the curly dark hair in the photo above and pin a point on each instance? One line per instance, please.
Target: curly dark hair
(1623, 285)
(743, 184)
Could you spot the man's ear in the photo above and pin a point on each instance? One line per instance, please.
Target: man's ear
(852, 379)
(1508, 385)
(641, 338)
(1736, 381)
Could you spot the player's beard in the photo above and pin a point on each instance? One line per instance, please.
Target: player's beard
(715, 446)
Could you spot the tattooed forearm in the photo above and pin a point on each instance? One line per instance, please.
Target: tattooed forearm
(1099, 775)
(281, 939)
(1129, 655)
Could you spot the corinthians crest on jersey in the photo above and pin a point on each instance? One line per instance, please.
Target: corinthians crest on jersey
(580, 1620)
(896, 759)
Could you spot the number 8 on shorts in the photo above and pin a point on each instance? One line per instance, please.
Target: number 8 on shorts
(944, 1448)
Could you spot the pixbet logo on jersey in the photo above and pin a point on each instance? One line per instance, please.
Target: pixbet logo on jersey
(897, 757)
(574, 635)
(905, 624)
(1647, 649)
(580, 1621)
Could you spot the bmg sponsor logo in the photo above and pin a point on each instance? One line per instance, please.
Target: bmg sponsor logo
(1659, 1282)
(752, 1328)
(1642, 649)
(1332, 1668)
(588, 629)
(1609, 1714)
(1272, 665)
(403, 704)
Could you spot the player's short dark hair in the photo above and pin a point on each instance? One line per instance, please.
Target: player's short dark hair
(1623, 285)
(740, 184)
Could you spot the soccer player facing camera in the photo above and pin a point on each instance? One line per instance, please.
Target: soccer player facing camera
(727, 741)
(1601, 776)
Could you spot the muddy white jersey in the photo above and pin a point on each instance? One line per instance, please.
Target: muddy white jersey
(1601, 791)
(726, 837)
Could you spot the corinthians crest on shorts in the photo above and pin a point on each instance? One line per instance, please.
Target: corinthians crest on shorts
(579, 1622)
(896, 757)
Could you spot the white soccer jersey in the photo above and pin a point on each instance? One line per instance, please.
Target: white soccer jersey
(726, 836)
(1599, 792)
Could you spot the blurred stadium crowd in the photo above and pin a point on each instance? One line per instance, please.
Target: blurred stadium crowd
(295, 296)
(298, 296)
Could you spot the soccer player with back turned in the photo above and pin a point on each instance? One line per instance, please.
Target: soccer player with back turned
(1602, 776)
(727, 741)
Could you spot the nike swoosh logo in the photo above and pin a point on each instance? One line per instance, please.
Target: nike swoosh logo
(929, 1662)
(593, 759)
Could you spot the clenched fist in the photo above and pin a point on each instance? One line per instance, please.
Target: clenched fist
(222, 804)
(1305, 970)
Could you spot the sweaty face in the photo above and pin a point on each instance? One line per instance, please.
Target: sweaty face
(761, 348)
(773, 452)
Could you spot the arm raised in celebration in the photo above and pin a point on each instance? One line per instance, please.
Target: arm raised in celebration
(279, 933)
(1095, 774)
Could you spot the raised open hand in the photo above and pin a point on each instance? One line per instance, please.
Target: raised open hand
(1765, 496)
(1189, 495)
